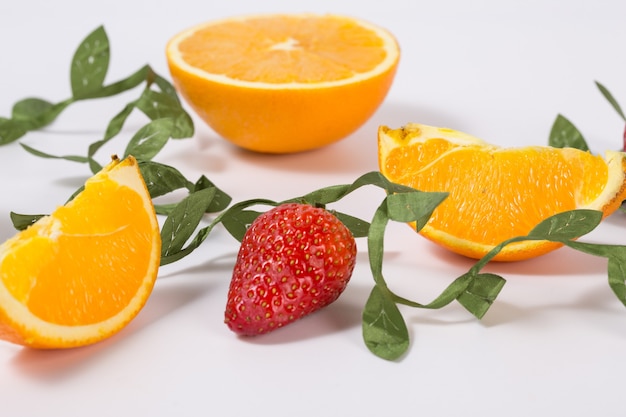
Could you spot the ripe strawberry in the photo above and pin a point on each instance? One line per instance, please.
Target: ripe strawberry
(294, 260)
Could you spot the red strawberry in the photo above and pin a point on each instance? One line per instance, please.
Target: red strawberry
(294, 260)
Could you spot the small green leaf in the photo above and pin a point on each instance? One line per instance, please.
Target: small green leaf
(415, 206)
(565, 135)
(162, 179)
(11, 130)
(384, 329)
(358, 227)
(34, 113)
(90, 64)
(567, 225)
(23, 221)
(183, 220)
(125, 84)
(30, 108)
(617, 276)
(150, 139)
(237, 219)
(166, 87)
(113, 128)
(481, 293)
(220, 201)
(238, 222)
(607, 95)
(158, 105)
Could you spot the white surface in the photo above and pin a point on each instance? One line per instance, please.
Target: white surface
(553, 342)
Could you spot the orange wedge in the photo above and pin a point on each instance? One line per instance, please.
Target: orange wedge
(82, 273)
(284, 83)
(497, 193)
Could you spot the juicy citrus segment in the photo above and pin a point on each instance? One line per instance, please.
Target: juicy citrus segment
(298, 50)
(284, 83)
(82, 273)
(497, 193)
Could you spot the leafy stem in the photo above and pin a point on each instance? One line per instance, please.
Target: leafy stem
(88, 71)
(384, 329)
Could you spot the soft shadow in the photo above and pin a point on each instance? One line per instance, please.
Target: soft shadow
(343, 314)
(53, 365)
(397, 114)
(561, 262)
(356, 154)
(73, 183)
(599, 299)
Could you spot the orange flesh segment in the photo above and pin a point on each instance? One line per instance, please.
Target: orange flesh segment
(288, 50)
(516, 202)
(90, 239)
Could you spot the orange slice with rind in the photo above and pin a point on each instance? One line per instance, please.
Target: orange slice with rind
(82, 273)
(497, 193)
(283, 83)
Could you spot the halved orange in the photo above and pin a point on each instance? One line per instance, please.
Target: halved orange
(82, 273)
(497, 193)
(284, 83)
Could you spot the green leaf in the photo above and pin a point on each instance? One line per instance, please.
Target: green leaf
(166, 87)
(220, 201)
(617, 276)
(162, 179)
(11, 130)
(565, 135)
(607, 95)
(184, 220)
(384, 329)
(125, 84)
(90, 64)
(414, 206)
(158, 105)
(567, 225)
(117, 122)
(237, 222)
(34, 113)
(164, 209)
(236, 219)
(358, 227)
(481, 293)
(30, 108)
(193, 245)
(150, 139)
(113, 128)
(23, 221)
(202, 234)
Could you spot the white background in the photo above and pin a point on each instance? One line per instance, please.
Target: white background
(553, 342)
